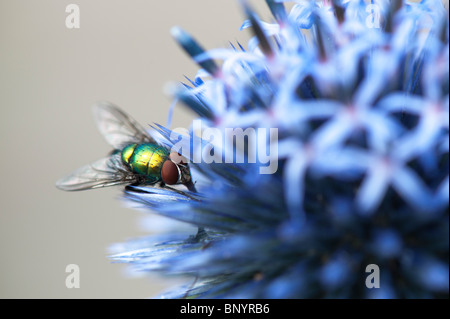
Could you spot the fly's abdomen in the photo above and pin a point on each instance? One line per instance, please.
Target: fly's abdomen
(145, 160)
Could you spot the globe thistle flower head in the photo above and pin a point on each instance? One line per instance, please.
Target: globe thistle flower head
(348, 101)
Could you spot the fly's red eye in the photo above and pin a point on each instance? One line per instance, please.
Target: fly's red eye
(170, 173)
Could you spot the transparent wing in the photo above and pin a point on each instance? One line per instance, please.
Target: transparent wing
(105, 172)
(118, 128)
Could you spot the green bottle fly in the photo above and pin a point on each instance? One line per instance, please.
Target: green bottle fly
(145, 160)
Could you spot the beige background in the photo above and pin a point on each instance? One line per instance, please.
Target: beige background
(49, 78)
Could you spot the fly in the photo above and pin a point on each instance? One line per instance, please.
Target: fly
(137, 158)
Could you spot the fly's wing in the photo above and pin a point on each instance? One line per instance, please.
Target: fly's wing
(108, 171)
(118, 128)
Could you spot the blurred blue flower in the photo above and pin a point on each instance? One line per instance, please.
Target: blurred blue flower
(360, 100)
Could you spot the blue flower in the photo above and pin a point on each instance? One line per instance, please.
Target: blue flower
(360, 99)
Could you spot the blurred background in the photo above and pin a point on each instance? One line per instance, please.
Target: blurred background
(50, 76)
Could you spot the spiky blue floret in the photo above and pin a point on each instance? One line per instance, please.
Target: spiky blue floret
(362, 112)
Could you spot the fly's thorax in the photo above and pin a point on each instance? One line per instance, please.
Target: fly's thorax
(145, 159)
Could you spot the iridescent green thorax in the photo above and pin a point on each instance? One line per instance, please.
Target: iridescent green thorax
(145, 159)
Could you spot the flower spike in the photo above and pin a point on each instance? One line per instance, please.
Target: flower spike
(192, 48)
